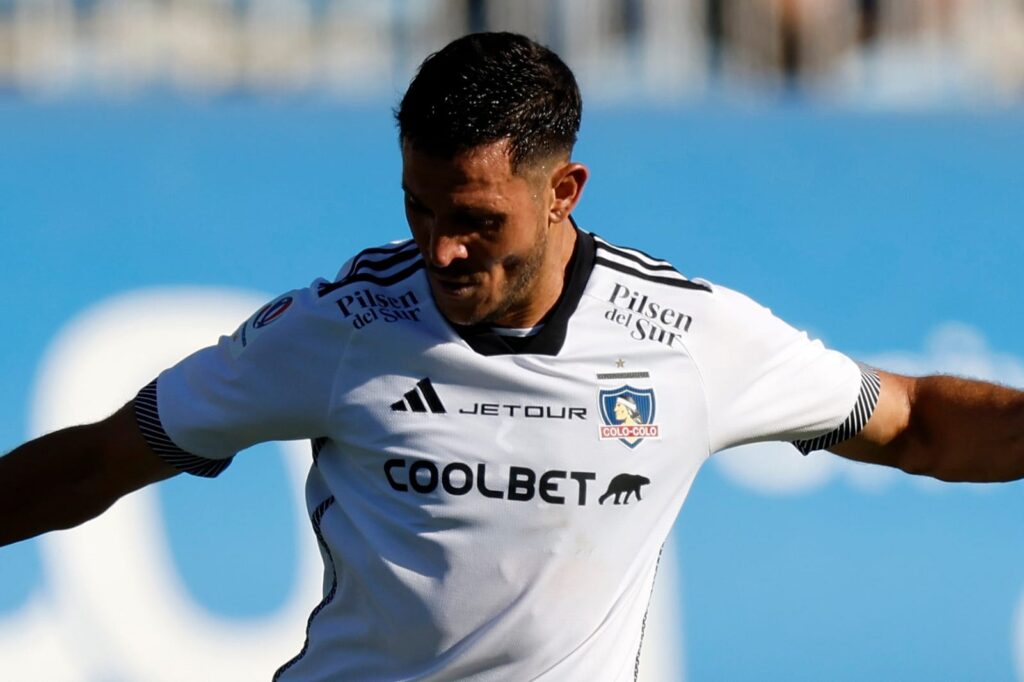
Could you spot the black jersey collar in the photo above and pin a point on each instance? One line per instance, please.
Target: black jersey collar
(549, 340)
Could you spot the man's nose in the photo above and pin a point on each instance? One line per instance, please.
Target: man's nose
(446, 248)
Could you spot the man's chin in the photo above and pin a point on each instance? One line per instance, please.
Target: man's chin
(462, 313)
(464, 310)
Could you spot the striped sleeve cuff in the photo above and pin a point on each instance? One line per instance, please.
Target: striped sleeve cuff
(148, 419)
(870, 385)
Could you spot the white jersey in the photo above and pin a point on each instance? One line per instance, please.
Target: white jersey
(488, 507)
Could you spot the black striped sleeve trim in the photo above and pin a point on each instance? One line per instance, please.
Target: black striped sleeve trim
(385, 263)
(148, 419)
(317, 445)
(316, 518)
(360, 258)
(388, 280)
(390, 248)
(654, 264)
(870, 386)
(670, 281)
(644, 266)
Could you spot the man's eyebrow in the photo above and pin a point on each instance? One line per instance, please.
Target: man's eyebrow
(473, 213)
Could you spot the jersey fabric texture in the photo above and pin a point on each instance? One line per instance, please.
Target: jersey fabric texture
(492, 507)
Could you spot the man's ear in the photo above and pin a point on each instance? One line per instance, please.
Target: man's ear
(567, 187)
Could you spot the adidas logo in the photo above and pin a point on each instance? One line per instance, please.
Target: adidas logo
(423, 398)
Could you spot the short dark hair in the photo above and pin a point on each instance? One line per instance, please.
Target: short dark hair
(487, 87)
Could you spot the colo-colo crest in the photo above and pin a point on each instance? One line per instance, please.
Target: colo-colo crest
(628, 415)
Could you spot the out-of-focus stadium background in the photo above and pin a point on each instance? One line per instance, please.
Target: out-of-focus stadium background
(904, 52)
(165, 165)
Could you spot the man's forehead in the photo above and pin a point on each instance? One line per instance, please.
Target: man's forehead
(482, 174)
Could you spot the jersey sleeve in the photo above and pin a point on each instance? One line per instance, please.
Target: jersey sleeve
(765, 380)
(270, 380)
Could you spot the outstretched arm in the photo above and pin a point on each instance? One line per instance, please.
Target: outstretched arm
(70, 476)
(945, 427)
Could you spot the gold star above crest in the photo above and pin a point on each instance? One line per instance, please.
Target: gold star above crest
(620, 363)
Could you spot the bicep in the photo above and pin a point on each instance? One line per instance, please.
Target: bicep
(877, 442)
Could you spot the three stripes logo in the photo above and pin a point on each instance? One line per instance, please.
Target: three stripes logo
(423, 398)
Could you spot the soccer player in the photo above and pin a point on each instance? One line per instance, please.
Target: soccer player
(483, 508)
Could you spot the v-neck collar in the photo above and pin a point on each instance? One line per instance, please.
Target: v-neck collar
(549, 340)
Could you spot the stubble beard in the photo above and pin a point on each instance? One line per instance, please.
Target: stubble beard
(522, 283)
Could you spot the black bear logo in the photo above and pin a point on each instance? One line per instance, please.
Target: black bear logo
(624, 483)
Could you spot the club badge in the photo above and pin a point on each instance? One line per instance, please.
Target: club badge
(628, 415)
(271, 312)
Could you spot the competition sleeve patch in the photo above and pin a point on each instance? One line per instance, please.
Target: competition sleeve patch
(148, 418)
(870, 385)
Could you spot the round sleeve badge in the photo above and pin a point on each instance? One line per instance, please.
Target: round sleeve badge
(271, 312)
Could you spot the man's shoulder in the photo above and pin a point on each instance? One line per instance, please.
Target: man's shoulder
(365, 279)
(637, 281)
(385, 265)
(643, 268)
(377, 284)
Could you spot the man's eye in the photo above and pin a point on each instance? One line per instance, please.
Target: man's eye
(414, 206)
(482, 222)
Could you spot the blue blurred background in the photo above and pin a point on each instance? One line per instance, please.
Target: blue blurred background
(853, 165)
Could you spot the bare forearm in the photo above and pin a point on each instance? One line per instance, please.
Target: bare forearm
(963, 430)
(69, 476)
(47, 484)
